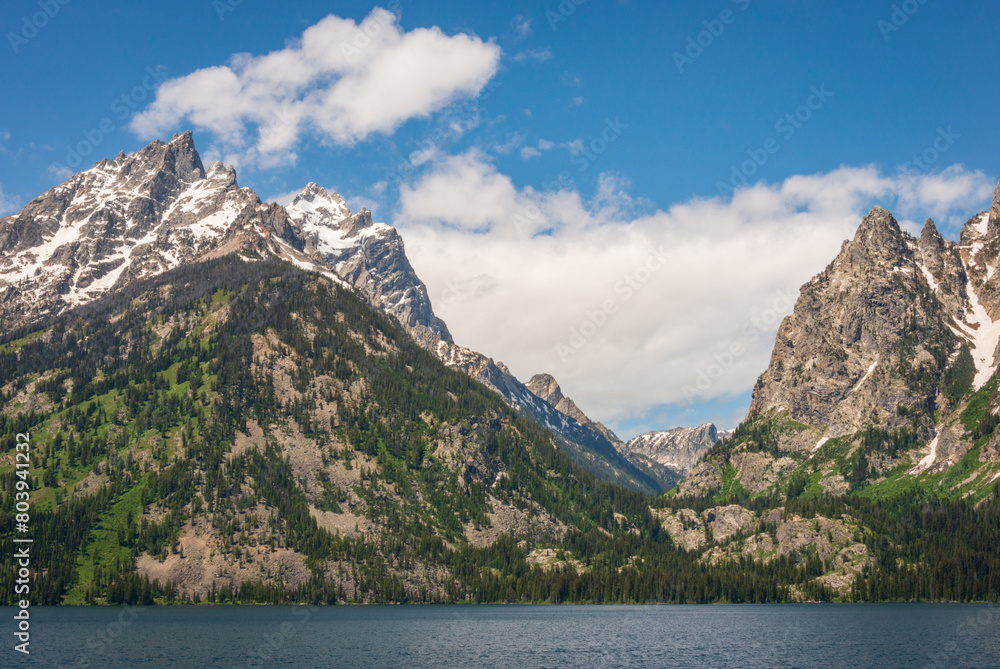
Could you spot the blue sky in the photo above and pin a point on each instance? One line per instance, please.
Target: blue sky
(543, 88)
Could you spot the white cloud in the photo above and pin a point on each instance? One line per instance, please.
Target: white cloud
(938, 195)
(341, 80)
(541, 55)
(8, 203)
(529, 152)
(554, 259)
(462, 191)
(60, 172)
(284, 199)
(513, 142)
(522, 24)
(4, 138)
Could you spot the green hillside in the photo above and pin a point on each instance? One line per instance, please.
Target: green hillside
(247, 432)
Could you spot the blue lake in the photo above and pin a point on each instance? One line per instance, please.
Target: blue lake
(903, 635)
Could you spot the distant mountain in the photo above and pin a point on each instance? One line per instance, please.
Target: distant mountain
(678, 449)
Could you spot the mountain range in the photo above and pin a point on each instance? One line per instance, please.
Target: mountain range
(236, 401)
(138, 216)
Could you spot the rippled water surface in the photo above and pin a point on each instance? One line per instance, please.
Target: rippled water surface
(905, 635)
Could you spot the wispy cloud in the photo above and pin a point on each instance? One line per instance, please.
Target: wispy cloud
(341, 81)
(8, 203)
(522, 25)
(541, 55)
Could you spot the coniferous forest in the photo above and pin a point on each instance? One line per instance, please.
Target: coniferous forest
(235, 432)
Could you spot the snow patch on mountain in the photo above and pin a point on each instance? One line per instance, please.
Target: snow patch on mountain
(868, 374)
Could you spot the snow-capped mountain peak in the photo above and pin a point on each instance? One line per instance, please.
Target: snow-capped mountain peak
(121, 220)
(139, 215)
(315, 205)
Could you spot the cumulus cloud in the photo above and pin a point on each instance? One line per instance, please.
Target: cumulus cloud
(341, 80)
(628, 306)
(465, 192)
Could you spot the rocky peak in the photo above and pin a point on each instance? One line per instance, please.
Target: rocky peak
(878, 337)
(941, 263)
(176, 160)
(678, 449)
(317, 206)
(358, 222)
(930, 238)
(546, 388)
(182, 154)
(977, 229)
(879, 236)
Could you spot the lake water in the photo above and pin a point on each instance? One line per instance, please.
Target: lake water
(904, 635)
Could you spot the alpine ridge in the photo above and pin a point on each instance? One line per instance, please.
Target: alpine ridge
(138, 216)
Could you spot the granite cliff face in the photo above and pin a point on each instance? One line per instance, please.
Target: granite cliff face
(368, 255)
(886, 365)
(874, 337)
